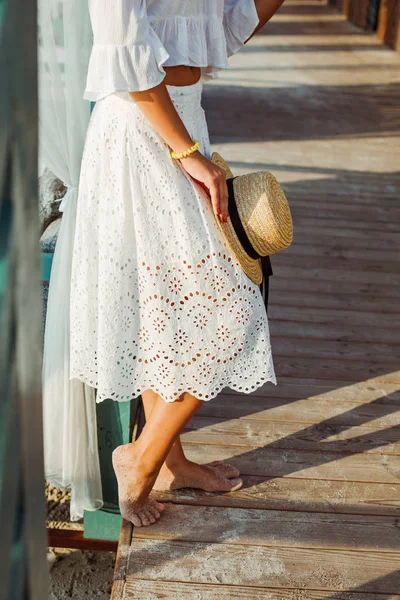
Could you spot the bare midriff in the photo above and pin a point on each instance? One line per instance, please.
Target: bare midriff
(181, 75)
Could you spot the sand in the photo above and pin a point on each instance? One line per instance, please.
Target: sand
(82, 575)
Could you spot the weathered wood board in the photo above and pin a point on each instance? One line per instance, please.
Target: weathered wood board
(234, 564)
(290, 493)
(138, 589)
(326, 436)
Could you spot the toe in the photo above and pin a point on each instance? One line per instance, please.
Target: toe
(152, 509)
(236, 484)
(158, 505)
(232, 469)
(135, 520)
(215, 463)
(149, 515)
(228, 471)
(143, 518)
(225, 469)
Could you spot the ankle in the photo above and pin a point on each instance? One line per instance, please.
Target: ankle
(176, 464)
(145, 460)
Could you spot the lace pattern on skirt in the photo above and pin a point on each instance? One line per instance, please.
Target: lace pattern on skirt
(158, 300)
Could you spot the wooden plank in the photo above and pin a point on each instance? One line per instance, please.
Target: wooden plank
(123, 554)
(348, 333)
(310, 270)
(308, 464)
(280, 283)
(368, 214)
(387, 271)
(305, 236)
(306, 411)
(329, 317)
(320, 199)
(362, 190)
(324, 436)
(231, 564)
(141, 589)
(71, 538)
(241, 526)
(327, 247)
(343, 370)
(301, 387)
(119, 591)
(289, 493)
(333, 301)
(333, 221)
(351, 237)
(326, 193)
(387, 353)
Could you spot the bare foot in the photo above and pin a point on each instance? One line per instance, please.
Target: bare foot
(212, 477)
(134, 486)
(224, 469)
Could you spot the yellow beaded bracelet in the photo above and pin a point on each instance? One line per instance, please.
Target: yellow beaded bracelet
(196, 146)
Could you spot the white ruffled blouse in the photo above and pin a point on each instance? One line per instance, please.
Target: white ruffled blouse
(134, 39)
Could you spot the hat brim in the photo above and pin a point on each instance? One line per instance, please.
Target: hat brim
(250, 266)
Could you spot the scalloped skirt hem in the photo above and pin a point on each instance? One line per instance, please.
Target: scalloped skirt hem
(204, 396)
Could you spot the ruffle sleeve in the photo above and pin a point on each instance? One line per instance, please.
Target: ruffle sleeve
(240, 20)
(127, 55)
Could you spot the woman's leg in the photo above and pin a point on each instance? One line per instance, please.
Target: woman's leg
(178, 472)
(137, 465)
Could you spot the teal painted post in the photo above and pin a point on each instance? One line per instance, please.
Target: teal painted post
(114, 427)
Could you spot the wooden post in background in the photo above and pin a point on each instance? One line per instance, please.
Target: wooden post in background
(358, 11)
(382, 15)
(389, 23)
(23, 564)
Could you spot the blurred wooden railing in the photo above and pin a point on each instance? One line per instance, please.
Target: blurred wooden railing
(382, 16)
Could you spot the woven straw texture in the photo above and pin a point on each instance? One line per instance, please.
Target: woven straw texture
(251, 266)
(265, 214)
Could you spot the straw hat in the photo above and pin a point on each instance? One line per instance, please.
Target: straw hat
(259, 222)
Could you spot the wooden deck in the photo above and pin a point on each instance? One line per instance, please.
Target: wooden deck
(316, 101)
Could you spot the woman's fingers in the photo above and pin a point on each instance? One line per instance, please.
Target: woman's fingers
(219, 197)
(224, 199)
(215, 199)
(213, 179)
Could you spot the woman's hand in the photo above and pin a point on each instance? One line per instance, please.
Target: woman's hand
(157, 106)
(212, 178)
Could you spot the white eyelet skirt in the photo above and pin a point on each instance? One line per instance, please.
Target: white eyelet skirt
(158, 301)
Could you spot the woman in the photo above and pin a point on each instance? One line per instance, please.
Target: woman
(159, 304)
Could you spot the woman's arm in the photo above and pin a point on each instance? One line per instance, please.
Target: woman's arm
(128, 55)
(157, 106)
(265, 10)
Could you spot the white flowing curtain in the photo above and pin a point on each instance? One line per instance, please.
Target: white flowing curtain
(69, 407)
